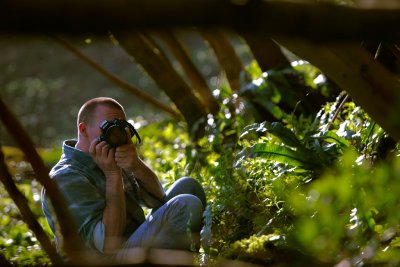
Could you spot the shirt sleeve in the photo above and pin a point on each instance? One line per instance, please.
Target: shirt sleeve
(99, 236)
(86, 203)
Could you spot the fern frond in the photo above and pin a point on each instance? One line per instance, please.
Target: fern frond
(273, 152)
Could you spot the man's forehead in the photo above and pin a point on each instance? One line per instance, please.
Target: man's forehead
(108, 113)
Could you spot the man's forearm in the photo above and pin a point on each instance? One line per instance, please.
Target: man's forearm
(153, 191)
(114, 214)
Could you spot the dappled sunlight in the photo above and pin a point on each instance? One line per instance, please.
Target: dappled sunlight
(285, 112)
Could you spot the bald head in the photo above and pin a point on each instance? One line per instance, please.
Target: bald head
(88, 109)
(91, 114)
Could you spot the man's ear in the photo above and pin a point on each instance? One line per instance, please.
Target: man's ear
(82, 129)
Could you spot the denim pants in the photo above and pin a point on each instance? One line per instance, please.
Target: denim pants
(174, 225)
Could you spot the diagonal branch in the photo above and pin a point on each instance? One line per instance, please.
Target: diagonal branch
(266, 52)
(72, 243)
(146, 52)
(182, 55)
(4, 262)
(227, 57)
(118, 81)
(27, 214)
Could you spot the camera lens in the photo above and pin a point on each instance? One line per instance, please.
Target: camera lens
(116, 136)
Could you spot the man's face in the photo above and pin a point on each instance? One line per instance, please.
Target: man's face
(102, 113)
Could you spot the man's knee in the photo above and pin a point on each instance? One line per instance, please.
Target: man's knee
(191, 206)
(188, 202)
(192, 186)
(189, 182)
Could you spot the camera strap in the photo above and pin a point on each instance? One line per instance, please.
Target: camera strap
(137, 184)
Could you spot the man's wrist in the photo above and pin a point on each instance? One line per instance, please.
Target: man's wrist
(135, 166)
(112, 173)
(113, 179)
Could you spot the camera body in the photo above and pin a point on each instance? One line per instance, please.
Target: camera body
(113, 132)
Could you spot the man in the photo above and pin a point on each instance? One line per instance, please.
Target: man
(104, 188)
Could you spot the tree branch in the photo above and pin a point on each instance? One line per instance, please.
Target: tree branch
(72, 243)
(4, 262)
(197, 80)
(143, 49)
(227, 57)
(316, 21)
(27, 214)
(267, 53)
(354, 69)
(119, 82)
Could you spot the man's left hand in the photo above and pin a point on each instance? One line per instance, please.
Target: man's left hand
(126, 156)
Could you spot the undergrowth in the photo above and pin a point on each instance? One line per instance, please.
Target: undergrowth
(316, 190)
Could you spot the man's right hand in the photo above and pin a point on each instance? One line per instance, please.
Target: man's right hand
(103, 155)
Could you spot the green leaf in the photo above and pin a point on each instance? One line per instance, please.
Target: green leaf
(331, 136)
(276, 129)
(273, 152)
(285, 134)
(395, 242)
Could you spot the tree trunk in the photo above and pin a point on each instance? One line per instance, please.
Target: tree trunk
(226, 55)
(266, 52)
(198, 82)
(156, 64)
(354, 69)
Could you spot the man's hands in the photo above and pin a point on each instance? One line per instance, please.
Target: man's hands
(126, 157)
(103, 155)
(111, 159)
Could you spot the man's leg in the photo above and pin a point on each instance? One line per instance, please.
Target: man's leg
(187, 185)
(175, 225)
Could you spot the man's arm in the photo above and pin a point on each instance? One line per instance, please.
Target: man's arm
(114, 214)
(151, 189)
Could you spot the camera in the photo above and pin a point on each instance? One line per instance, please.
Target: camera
(113, 132)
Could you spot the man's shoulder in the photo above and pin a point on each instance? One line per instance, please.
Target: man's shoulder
(69, 173)
(65, 166)
(73, 162)
(62, 173)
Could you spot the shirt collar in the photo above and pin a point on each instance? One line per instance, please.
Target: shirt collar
(72, 153)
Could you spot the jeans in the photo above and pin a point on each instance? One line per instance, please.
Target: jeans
(174, 225)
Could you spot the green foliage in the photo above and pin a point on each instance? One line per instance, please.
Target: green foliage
(40, 78)
(270, 188)
(348, 215)
(314, 152)
(309, 187)
(276, 95)
(17, 242)
(318, 189)
(164, 147)
(258, 249)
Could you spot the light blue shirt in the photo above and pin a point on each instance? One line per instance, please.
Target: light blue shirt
(83, 186)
